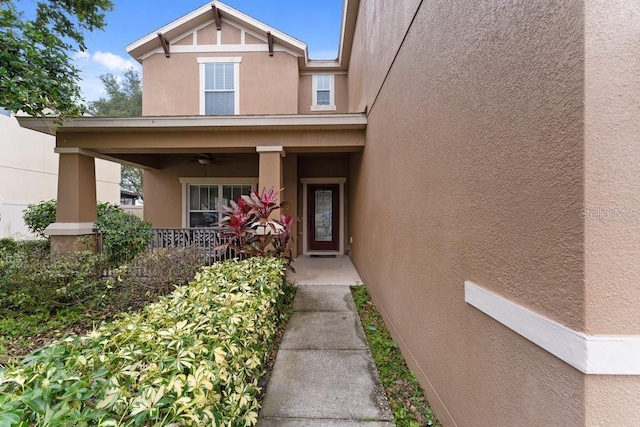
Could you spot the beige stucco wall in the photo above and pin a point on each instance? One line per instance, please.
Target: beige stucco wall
(341, 94)
(612, 195)
(268, 84)
(163, 192)
(29, 174)
(481, 120)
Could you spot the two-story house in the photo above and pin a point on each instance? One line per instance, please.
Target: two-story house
(478, 159)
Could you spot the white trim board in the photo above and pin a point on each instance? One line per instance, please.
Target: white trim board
(590, 354)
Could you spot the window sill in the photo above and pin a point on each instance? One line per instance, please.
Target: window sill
(323, 108)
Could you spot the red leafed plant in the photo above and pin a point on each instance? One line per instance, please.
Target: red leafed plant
(249, 230)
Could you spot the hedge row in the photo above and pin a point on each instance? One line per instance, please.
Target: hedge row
(192, 358)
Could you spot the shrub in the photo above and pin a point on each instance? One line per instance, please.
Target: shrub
(39, 216)
(123, 235)
(250, 231)
(30, 281)
(153, 274)
(193, 358)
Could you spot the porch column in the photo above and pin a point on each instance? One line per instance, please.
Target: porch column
(270, 174)
(76, 212)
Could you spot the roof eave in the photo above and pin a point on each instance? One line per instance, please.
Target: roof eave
(195, 123)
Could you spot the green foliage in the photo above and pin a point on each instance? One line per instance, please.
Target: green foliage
(123, 235)
(31, 282)
(38, 217)
(36, 71)
(131, 178)
(406, 397)
(193, 358)
(123, 99)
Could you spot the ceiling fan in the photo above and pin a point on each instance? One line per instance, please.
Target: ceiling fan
(207, 159)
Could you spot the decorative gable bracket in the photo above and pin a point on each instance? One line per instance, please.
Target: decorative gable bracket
(217, 16)
(165, 45)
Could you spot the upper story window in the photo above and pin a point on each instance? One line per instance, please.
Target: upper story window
(219, 86)
(323, 92)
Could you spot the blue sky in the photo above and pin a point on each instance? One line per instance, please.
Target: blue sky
(314, 22)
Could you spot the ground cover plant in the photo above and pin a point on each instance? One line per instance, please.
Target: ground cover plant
(44, 298)
(406, 398)
(192, 358)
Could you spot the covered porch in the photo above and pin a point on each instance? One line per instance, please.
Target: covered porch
(194, 165)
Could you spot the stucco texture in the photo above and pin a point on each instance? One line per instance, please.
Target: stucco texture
(480, 118)
(171, 86)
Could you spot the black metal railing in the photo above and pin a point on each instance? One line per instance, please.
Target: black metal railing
(206, 239)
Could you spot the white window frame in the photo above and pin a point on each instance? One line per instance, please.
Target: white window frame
(186, 181)
(314, 91)
(236, 60)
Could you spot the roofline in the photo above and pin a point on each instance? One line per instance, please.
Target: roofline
(195, 123)
(224, 8)
(349, 18)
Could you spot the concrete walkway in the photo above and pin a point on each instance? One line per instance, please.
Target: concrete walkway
(324, 374)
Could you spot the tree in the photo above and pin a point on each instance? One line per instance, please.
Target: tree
(36, 71)
(123, 99)
(131, 178)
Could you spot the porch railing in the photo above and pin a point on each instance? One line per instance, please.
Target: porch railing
(204, 238)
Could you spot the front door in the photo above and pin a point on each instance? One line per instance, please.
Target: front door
(324, 216)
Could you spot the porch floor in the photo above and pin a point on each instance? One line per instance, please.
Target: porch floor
(324, 374)
(336, 270)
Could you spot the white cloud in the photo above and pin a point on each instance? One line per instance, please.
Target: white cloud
(113, 62)
(82, 55)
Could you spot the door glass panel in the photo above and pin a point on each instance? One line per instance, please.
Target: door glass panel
(323, 215)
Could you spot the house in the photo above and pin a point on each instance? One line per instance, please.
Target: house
(29, 174)
(478, 160)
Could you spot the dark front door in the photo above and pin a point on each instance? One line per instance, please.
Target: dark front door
(324, 216)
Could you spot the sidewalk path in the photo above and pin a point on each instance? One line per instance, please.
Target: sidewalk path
(324, 374)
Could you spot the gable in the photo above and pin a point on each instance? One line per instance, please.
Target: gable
(198, 32)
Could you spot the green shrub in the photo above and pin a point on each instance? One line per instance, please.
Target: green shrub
(123, 235)
(30, 281)
(193, 358)
(38, 217)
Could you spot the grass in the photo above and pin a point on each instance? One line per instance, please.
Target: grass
(407, 400)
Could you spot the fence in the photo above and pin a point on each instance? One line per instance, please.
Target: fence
(206, 239)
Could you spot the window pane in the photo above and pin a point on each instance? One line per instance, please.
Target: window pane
(219, 103)
(203, 219)
(219, 77)
(323, 82)
(228, 76)
(209, 76)
(204, 198)
(227, 195)
(194, 197)
(324, 97)
(214, 203)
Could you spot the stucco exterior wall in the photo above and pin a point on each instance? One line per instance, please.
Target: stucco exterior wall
(268, 84)
(612, 195)
(163, 192)
(29, 174)
(341, 94)
(480, 117)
